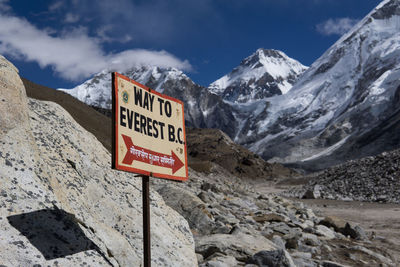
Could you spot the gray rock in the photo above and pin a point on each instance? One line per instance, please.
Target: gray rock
(332, 221)
(205, 197)
(303, 259)
(310, 239)
(199, 258)
(221, 228)
(61, 181)
(276, 258)
(302, 255)
(292, 243)
(249, 220)
(355, 232)
(376, 255)
(237, 230)
(308, 249)
(324, 231)
(299, 262)
(240, 246)
(206, 186)
(267, 232)
(220, 261)
(327, 248)
(305, 224)
(292, 240)
(310, 230)
(227, 218)
(278, 241)
(189, 206)
(282, 228)
(313, 193)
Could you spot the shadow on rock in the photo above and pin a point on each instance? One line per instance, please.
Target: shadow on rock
(53, 232)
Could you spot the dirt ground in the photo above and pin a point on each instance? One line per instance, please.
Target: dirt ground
(380, 220)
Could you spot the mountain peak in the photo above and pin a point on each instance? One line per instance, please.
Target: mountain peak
(261, 56)
(265, 73)
(262, 52)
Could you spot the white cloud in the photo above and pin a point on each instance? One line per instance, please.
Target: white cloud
(73, 55)
(338, 26)
(71, 18)
(140, 57)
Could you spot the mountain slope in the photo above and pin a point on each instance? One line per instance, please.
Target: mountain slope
(263, 74)
(208, 146)
(345, 105)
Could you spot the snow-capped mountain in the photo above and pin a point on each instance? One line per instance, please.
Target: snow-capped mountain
(96, 91)
(202, 108)
(263, 74)
(346, 105)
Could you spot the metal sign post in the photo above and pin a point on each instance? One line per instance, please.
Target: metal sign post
(148, 139)
(146, 220)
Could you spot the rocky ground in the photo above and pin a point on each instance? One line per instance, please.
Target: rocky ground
(373, 179)
(235, 224)
(381, 220)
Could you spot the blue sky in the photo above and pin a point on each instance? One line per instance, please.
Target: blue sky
(62, 43)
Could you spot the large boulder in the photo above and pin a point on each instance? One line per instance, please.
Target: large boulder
(345, 228)
(61, 202)
(241, 246)
(187, 204)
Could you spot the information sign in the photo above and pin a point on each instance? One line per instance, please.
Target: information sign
(148, 131)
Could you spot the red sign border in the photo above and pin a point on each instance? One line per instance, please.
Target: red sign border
(114, 160)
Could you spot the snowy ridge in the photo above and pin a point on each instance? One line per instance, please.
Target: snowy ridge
(265, 73)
